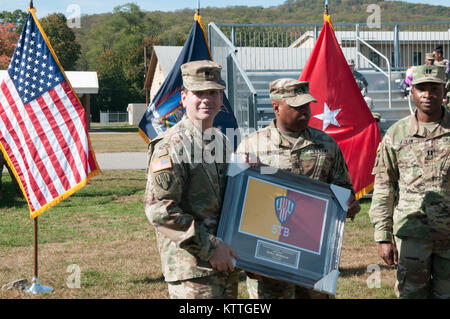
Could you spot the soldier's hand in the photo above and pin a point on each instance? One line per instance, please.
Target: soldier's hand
(388, 252)
(353, 207)
(251, 160)
(222, 258)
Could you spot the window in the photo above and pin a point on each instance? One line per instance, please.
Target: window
(417, 58)
(375, 58)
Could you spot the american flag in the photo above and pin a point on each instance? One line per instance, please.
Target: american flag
(43, 131)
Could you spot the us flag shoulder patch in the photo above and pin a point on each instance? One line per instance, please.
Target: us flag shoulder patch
(161, 164)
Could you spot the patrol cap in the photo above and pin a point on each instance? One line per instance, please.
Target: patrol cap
(202, 75)
(350, 62)
(429, 56)
(291, 91)
(428, 73)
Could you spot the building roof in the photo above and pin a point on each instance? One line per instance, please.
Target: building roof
(375, 36)
(82, 82)
(270, 59)
(166, 56)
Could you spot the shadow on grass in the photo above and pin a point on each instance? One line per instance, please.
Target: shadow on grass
(10, 198)
(149, 280)
(359, 271)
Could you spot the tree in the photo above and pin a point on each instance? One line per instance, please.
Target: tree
(62, 39)
(113, 92)
(8, 40)
(115, 51)
(17, 18)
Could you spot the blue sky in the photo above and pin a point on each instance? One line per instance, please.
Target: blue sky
(45, 7)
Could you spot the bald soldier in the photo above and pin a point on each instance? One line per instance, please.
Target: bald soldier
(410, 208)
(289, 143)
(185, 192)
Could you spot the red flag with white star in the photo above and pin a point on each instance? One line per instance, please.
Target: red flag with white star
(341, 110)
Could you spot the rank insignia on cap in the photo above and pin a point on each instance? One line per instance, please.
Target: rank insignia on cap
(163, 163)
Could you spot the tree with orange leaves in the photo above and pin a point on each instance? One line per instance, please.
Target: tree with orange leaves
(8, 40)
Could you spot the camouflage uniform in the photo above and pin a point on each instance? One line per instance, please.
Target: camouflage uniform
(183, 201)
(314, 154)
(359, 78)
(411, 204)
(445, 63)
(361, 81)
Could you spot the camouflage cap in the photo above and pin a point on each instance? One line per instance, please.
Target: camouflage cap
(428, 73)
(293, 92)
(429, 56)
(202, 75)
(350, 62)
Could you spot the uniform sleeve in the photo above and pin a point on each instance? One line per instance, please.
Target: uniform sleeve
(383, 199)
(247, 146)
(340, 175)
(166, 180)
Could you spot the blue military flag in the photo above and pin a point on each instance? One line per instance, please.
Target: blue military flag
(165, 110)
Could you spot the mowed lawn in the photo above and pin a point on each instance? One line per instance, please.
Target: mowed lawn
(116, 138)
(104, 231)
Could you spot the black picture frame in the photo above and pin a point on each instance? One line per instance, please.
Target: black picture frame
(304, 249)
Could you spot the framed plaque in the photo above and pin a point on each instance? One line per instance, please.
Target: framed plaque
(284, 225)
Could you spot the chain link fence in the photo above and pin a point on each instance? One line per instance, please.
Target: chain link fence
(113, 117)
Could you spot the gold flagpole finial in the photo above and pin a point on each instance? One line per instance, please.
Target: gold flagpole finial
(197, 11)
(326, 7)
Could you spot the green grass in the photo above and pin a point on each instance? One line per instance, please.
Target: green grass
(103, 229)
(107, 204)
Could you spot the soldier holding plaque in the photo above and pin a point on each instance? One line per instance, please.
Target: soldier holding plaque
(184, 194)
(288, 143)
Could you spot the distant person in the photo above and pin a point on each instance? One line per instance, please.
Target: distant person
(429, 59)
(411, 199)
(359, 78)
(361, 82)
(439, 60)
(14, 181)
(405, 84)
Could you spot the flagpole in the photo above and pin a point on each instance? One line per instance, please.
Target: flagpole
(326, 7)
(36, 287)
(35, 240)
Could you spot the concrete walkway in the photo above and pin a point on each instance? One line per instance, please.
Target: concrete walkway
(111, 161)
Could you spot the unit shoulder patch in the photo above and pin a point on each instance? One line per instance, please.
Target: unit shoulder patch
(164, 180)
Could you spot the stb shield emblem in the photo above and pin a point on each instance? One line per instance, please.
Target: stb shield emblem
(284, 208)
